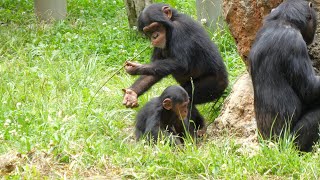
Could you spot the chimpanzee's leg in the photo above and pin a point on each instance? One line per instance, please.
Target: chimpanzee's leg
(307, 129)
(206, 88)
(196, 122)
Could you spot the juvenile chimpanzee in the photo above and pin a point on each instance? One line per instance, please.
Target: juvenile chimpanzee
(167, 113)
(181, 48)
(286, 89)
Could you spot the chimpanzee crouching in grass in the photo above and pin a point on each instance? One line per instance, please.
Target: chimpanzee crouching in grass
(286, 89)
(181, 48)
(165, 115)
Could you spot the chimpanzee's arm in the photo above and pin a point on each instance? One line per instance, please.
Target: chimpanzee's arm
(143, 83)
(153, 126)
(303, 78)
(310, 88)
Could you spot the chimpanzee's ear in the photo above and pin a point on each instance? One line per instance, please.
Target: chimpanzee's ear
(167, 11)
(167, 104)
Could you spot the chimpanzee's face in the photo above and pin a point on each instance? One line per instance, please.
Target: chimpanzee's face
(157, 34)
(181, 109)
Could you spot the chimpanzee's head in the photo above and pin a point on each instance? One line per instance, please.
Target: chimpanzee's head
(175, 99)
(155, 21)
(299, 13)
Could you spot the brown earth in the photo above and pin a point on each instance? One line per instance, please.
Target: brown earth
(46, 165)
(237, 117)
(314, 48)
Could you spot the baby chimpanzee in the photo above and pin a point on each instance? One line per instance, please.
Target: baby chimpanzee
(166, 114)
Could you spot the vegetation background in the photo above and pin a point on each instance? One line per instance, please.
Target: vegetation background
(50, 72)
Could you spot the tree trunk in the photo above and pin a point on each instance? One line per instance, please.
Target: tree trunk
(209, 13)
(50, 10)
(134, 8)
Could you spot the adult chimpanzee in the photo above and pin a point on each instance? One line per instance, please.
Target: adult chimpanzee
(167, 113)
(286, 89)
(181, 48)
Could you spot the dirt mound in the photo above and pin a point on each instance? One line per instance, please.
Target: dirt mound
(237, 116)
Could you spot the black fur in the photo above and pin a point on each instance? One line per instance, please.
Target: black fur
(286, 89)
(153, 118)
(189, 53)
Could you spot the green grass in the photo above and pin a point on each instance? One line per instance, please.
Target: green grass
(50, 72)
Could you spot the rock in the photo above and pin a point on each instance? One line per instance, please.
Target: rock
(244, 18)
(238, 111)
(314, 48)
(237, 116)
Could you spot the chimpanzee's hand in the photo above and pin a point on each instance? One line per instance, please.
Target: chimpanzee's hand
(130, 99)
(131, 67)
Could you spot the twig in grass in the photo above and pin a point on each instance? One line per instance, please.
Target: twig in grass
(117, 71)
(191, 103)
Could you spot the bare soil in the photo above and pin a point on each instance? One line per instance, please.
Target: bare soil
(237, 116)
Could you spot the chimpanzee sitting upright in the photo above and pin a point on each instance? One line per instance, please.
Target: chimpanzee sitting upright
(286, 89)
(167, 113)
(181, 48)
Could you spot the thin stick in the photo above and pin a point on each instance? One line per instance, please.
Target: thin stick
(93, 97)
(192, 94)
(191, 104)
